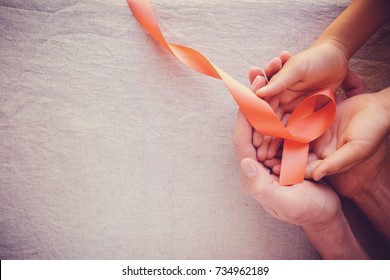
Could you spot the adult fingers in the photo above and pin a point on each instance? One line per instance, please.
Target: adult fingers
(347, 156)
(242, 138)
(259, 180)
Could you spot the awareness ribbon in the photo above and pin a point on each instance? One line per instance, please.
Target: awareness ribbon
(304, 125)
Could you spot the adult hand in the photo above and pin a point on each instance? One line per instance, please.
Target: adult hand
(360, 148)
(361, 124)
(307, 204)
(315, 207)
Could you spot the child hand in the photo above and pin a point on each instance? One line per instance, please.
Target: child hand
(267, 146)
(323, 65)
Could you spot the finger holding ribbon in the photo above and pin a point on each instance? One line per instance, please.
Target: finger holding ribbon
(305, 124)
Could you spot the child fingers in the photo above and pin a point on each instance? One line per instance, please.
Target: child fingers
(274, 146)
(257, 139)
(254, 72)
(273, 164)
(284, 56)
(273, 67)
(258, 83)
(262, 150)
(273, 102)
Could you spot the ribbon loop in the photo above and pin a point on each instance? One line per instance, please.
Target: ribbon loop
(305, 124)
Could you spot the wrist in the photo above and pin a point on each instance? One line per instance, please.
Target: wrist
(347, 29)
(374, 199)
(334, 57)
(334, 239)
(335, 43)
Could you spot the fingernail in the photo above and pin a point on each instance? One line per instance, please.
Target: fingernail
(258, 82)
(320, 176)
(249, 168)
(260, 91)
(257, 79)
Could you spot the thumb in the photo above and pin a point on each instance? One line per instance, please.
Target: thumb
(312, 162)
(281, 81)
(353, 84)
(256, 175)
(349, 155)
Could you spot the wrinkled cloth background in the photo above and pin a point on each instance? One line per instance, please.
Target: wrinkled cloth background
(112, 149)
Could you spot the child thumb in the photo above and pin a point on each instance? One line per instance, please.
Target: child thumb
(280, 82)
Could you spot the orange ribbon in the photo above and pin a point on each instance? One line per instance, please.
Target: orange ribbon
(305, 124)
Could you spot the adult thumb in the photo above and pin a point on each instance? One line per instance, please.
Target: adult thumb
(353, 84)
(349, 155)
(256, 175)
